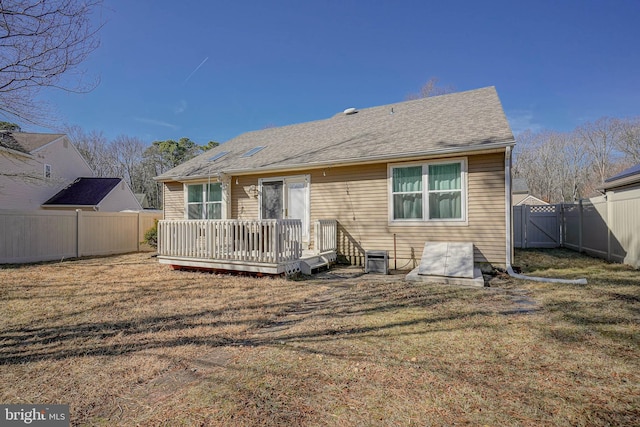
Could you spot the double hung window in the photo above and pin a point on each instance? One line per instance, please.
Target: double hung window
(429, 192)
(204, 201)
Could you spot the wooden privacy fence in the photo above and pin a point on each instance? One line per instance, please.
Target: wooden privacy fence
(35, 236)
(606, 226)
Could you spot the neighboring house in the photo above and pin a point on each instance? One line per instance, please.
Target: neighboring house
(520, 194)
(96, 194)
(388, 178)
(35, 166)
(628, 179)
(143, 200)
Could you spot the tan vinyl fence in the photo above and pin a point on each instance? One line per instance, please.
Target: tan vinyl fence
(35, 236)
(607, 226)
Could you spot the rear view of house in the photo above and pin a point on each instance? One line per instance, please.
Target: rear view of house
(384, 178)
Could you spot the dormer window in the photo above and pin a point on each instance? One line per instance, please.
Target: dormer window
(47, 171)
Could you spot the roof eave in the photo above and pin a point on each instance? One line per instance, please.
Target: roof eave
(347, 162)
(16, 152)
(377, 159)
(54, 206)
(622, 182)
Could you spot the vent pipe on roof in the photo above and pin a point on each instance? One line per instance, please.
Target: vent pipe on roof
(350, 111)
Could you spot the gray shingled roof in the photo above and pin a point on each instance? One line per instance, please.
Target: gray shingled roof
(463, 121)
(33, 141)
(84, 192)
(519, 185)
(8, 141)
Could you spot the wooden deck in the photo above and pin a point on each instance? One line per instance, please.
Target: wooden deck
(255, 246)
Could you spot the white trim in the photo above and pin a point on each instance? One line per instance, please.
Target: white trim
(531, 197)
(425, 193)
(508, 207)
(306, 178)
(223, 201)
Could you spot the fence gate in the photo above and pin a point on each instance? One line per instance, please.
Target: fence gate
(536, 226)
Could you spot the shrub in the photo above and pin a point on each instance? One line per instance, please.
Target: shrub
(151, 236)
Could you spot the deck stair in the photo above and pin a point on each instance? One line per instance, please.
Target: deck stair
(312, 262)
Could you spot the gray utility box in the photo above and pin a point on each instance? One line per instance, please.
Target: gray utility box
(376, 262)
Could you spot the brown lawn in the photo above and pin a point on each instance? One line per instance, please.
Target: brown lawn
(126, 341)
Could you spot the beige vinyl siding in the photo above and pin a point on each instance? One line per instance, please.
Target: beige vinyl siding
(357, 196)
(244, 201)
(173, 200)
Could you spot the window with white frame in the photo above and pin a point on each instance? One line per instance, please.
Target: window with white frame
(204, 201)
(434, 191)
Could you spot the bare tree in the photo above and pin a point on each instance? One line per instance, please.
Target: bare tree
(600, 139)
(572, 168)
(40, 41)
(554, 164)
(128, 152)
(95, 149)
(629, 138)
(431, 88)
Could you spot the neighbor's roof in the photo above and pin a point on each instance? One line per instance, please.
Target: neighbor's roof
(626, 177)
(454, 123)
(8, 141)
(33, 141)
(84, 192)
(519, 185)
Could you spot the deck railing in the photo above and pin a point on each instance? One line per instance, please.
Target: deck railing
(326, 235)
(266, 241)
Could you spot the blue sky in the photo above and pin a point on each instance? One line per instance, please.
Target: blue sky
(210, 70)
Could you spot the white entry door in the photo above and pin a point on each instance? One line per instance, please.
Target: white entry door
(287, 198)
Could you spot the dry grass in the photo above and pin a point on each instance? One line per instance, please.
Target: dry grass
(126, 341)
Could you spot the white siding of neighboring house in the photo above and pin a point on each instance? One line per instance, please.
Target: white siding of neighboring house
(28, 194)
(119, 199)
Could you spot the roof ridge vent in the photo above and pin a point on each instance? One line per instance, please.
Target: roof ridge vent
(350, 111)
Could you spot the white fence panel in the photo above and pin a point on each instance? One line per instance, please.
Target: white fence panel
(37, 236)
(33, 236)
(624, 225)
(107, 233)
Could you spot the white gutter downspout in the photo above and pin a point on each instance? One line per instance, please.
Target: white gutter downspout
(509, 225)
